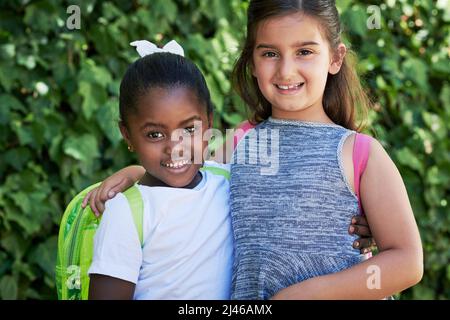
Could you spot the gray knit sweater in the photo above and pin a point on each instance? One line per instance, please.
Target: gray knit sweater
(291, 206)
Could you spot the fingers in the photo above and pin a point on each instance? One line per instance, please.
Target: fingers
(359, 220)
(367, 250)
(98, 202)
(120, 187)
(359, 230)
(86, 199)
(364, 244)
(104, 193)
(92, 202)
(98, 196)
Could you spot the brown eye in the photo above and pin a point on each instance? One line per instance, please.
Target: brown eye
(155, 135)
(269, 54)
(305, 52)
(190, 130)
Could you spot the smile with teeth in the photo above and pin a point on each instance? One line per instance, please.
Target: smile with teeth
(289, 87)
(175, 164)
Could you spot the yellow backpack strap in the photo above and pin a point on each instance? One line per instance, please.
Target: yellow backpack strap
(134, 198)
(217, 171)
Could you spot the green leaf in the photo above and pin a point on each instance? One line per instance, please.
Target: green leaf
(7, 51)
(93, 97)
(406, 157)
(416, 70)
(343, 5)
(435, 123)
(22, 200)
(82, 148)
(94, 74)
(45, 255)
(445, 98)
(108, 117)
(27, 61)
(30, 225)
(357, 17)
(437, 177)
(13, 244)
(166, 9)
(233, 119)
(8, 288)
(23, 132)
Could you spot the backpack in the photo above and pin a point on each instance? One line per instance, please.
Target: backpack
(76, 243)
(76, 239)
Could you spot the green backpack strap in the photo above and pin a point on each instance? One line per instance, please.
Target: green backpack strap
(76, 242)
(217, 171)
(134, 198)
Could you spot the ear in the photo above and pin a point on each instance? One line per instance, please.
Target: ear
(125, 134)
(252, 69)
(338, 59)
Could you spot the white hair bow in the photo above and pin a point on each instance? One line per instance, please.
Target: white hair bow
(145, 48)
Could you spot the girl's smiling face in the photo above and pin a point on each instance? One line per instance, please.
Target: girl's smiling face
(291, 62)
(163, 113)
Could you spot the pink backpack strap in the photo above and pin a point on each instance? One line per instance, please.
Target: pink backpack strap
(361, 150)
(241, 131)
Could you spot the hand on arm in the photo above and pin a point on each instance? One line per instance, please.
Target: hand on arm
(360, 227)
(400, 261)
(118, 182)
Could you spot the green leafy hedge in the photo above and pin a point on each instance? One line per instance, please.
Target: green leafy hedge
(59, 101)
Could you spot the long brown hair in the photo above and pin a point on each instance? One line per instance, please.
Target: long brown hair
(344, 96)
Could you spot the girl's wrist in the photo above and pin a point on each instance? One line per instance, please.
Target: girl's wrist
(137, 172)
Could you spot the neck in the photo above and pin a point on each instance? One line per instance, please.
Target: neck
(313, 113)
(151, 181)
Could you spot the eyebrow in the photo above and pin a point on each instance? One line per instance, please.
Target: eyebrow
(295, 45)
(193, 118)
(182, 123)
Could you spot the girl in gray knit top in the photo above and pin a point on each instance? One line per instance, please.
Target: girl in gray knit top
(290, 214)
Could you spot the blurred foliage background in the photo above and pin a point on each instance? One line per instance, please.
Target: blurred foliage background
(59, 110)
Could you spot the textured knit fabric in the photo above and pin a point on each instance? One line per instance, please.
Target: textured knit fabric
(290, 224)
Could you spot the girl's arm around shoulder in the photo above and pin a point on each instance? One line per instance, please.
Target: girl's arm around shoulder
(118, 182)
(399, 264)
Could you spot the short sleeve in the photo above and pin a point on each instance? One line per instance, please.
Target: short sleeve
(223, 166)
(117, 250)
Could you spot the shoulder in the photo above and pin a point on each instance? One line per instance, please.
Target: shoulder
(119, 202)
(380, 169)
(349, 143)
(117, 212)
(218, 174)
(245, 125)
(213, 164)
(374, 147)
(377, 154)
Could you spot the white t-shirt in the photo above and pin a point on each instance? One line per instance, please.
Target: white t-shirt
(188, 241)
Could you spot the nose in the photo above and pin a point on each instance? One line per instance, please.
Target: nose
(286, 69)
(178, 145)
(173, 148)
